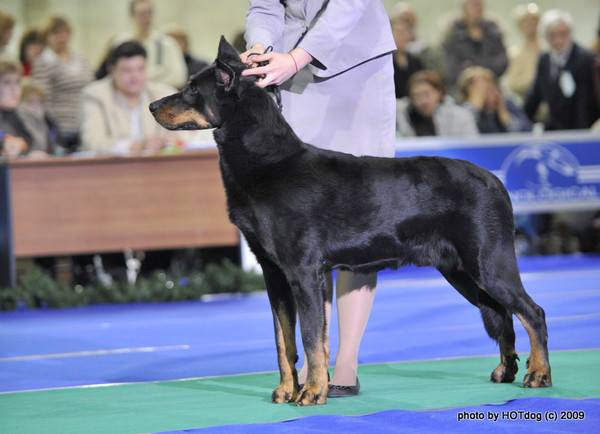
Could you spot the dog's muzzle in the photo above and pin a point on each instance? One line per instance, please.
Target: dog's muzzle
(154, 106)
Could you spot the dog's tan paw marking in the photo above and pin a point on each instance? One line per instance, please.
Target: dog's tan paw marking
(312, 395)
(283, 393)
(537, 379)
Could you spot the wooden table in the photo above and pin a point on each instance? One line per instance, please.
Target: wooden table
(68, 205)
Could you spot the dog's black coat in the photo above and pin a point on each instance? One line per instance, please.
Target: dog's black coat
(305, 211)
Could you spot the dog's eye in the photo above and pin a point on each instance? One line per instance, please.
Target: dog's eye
(193, 89)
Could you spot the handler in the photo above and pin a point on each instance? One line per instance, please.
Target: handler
(333, 60)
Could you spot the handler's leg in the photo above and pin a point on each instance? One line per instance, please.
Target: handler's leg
(354, 298)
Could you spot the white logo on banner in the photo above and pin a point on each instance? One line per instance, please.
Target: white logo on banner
(546, 172)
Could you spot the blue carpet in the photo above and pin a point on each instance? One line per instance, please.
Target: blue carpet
(416, 315)
(527, 415)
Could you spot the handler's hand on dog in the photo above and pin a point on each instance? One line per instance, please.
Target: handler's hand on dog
(246, 57)
(280, 68)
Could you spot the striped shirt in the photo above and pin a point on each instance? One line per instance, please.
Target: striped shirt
(63, 82)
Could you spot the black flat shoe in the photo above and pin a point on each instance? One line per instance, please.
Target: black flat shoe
(336, 391)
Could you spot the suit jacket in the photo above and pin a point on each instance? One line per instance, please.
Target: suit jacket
(339, 34)
(104, 121)
(578, 111)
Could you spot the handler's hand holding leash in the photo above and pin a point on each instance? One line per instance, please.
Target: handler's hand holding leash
(279, 67)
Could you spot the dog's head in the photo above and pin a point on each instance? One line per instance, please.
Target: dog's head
(199, 104)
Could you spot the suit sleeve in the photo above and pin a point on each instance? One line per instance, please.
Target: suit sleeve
(332, 25)
(265, 21)
(587, 112)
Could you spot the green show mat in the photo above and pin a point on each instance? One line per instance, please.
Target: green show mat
(203, 402)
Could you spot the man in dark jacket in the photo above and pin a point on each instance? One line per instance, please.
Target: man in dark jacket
(564, 77)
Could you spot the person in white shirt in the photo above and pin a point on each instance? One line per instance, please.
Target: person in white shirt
(165, 60)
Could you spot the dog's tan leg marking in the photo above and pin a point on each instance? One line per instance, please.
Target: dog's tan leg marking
(538, 369)
(317, 382)
(286, 358)
(316, 386)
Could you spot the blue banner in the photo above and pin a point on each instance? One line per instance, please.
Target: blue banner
(542, 173)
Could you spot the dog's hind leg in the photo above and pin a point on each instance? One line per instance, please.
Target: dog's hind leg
(310, 293)
(533, 319)
(496, 319)
(284, 319)
(500, 279)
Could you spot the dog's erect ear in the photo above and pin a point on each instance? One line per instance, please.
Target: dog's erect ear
(225, 75)
(229, 69)
(227, 53)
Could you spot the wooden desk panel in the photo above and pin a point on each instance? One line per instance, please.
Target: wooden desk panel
(68, 206)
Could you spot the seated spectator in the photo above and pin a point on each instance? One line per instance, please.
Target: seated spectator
(405, 63)
(23, 130)
(494, 112)
(523, 55)
(428, 112)
(165, 62)
(7, 23)
(193, 63)
(63, 73)
(564, 77)
(115, 115)
(33, 102)
(30, 48)
(473, 40)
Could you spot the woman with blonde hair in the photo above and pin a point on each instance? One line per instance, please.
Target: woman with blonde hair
(7, 23)
(23, 130)
(478, 90)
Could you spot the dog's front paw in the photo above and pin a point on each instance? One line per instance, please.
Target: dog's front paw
(506, 371)
(284, 393)
(312, 395)
(537, 376)
(537, 379)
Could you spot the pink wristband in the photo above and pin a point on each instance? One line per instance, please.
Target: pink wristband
(295, 64)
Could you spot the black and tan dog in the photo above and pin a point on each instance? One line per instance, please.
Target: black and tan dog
(305, 211)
